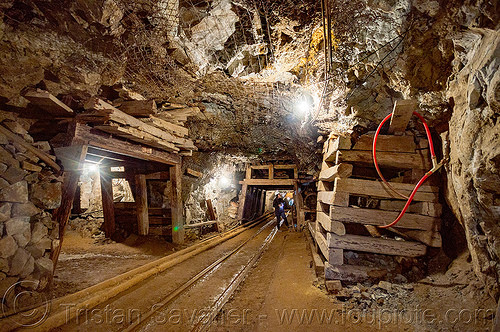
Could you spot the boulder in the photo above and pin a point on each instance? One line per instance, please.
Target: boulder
(44, 265)
(15, 193)
(5, 211)
(4, 265)
(17, 225)
(22, 239)
(8, 246)
(36, 250)
(14, 174)
(47, 195)
(38, 232)
(24, 210)
(20, 262)
(42, 145)
(15, 127)
(6, 158)
(4, 183)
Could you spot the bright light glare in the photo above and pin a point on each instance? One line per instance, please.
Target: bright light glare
(224, 181)
(303, 106)
(91, 167)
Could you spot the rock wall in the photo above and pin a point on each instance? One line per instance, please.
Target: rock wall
(29, 192)
(473, 188)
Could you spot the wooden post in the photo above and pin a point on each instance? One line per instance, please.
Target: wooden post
(262, 203)
(300, 205)
(70, 183)
(241, 206)
(141, 203)
(177, 209)
(401, 114)
(271, 171)
(108, 208)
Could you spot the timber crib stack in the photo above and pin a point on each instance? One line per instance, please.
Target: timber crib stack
(352, 202)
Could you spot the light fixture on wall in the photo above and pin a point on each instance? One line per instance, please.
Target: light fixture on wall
(224, 181)
(90, 167)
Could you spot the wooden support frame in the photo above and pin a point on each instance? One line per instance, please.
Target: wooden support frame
(177, 209)
(70, 183)
(107, 202)
(141, 201)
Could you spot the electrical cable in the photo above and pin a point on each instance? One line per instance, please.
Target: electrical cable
(435, 167)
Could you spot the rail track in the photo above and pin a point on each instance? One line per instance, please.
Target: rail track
(199, 279)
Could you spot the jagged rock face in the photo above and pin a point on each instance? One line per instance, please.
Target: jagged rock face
(474, 169)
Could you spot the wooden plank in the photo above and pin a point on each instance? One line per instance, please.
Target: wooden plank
(324, 186)
(139, 108)
(46, 158)
(48, 103)
(104, 141)
(168, 126)
(138, 136)
(387, 143)
(432, 238)
(340, 143)
(194, 173)
(62, 213)
(260, 166)
(319, 266)
(333, 256)
(377, 246)
(432, 209)
(201, 224)
(108, 208)
(242, 199)
(211, 211)
(122, 118)
(285, 166)
(337, 171)
(177, 208)
(353, 273)
(378, 189)
(401, 114)
(268, 182)
(162, 175)
(419, 160)
(271, 172)
(141, 201)
(337, 198)
(380, 218)
(330, 225)
(300, 204)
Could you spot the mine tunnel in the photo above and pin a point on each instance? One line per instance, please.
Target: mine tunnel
(249, 165)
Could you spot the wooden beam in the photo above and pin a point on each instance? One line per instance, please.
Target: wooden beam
(141, 201)
(62, 213)
(177, 208)
(330, 225)
(353, 273)
(420, 159)
(46, 158)
(285, 166)
(259, 166)
(387, 143)
(380, 218)
(168, 126)
(194, 173)
(432, 238)
(200, 224)
(432, 209)
(211, 210)
(49, 103)
(162, 175)
(377, 246)
(378, 189)
(300, 205)
(107, 204)
(114, 114)
(104, 141)
(339, 143)
(401, 114)
(337, 198)
(267, 182)
(337, 171)
(139, 108)
(333, 256)
(243, 196)
(271, 172)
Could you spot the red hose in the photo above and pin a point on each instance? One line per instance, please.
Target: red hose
(422, 180)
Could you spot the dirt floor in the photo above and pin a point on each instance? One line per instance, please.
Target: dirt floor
(282, 293)
(84, 261)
